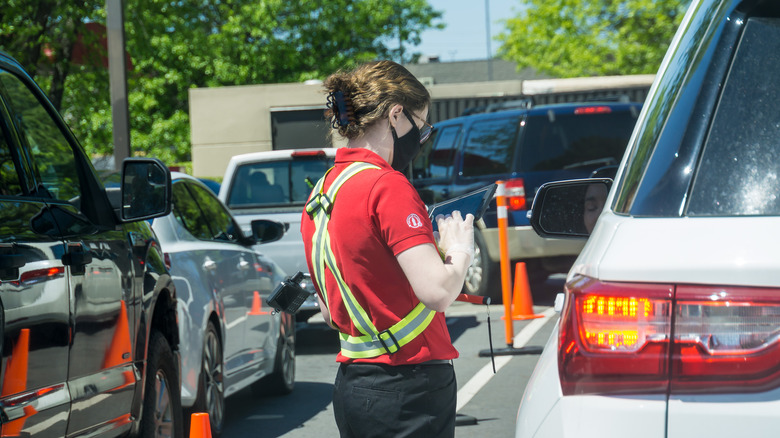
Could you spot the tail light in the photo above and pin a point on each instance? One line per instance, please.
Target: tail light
(167, 260)
(726, 338)
(614, 338)
(618, 338)
(308, 153)
(515, 194)
(593, 110)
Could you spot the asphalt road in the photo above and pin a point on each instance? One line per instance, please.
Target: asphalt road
(487, 402)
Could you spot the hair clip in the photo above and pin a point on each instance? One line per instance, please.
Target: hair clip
(342, 109)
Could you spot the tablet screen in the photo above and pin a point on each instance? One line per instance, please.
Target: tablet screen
(475, 202)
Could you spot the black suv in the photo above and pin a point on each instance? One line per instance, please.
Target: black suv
(87, 308)
(525, 148)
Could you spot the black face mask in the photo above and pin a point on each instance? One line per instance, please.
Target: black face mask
(405, 148)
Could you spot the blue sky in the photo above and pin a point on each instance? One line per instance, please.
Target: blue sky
(465, 37)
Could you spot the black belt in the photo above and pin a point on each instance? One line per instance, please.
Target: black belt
(437, 362)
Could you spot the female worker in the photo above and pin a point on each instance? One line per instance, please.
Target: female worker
(380, 278)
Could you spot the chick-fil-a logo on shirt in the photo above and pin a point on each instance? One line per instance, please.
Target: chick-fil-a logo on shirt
(413, 221)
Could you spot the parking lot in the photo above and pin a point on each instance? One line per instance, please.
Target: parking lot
(488, 402)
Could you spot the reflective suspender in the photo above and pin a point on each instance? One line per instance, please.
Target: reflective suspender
(373, 342)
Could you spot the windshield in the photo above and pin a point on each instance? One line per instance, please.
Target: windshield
(575, 140)
(280, 182)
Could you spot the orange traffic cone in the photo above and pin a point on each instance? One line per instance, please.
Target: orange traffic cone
(200, 426)
(15, 380)
(257, 307)
(522, 303)
(119, 350)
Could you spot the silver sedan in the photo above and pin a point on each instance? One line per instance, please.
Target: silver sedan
(230, 339)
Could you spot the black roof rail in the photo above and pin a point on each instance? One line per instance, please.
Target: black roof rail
(524, 103)
(610, 98)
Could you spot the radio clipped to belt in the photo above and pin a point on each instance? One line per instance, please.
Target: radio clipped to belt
(288, 296)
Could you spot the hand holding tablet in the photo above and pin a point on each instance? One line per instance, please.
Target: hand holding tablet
(475, 203)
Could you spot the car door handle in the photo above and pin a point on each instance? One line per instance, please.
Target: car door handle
(77, 257)
(209, 265)
(445, 193)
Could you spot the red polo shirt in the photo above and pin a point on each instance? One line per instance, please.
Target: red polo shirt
(377, 214)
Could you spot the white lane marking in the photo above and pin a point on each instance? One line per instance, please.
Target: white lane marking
(483, 376)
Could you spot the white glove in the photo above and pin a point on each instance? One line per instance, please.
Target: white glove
(456, 234)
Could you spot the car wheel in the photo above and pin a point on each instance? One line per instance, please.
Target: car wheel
(483, 276)
(282, 380)
(162, 414)
(211, 389)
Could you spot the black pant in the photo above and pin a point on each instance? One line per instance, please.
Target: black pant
(372, 400)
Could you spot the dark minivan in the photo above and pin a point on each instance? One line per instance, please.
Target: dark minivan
(87, 307)
(525, 148)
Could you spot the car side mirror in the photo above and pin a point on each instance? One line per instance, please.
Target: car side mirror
(145, 189)
(266, 231)
(569, 209)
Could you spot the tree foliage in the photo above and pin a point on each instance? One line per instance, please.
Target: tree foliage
(573, 38)
(181, 44)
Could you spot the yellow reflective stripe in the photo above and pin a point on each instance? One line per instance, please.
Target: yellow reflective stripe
(321, 253)
(373, 342)
(318, 251)
(356, 313)
(404, 331)
(358, 316)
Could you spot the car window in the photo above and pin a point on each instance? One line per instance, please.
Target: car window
(187, 212)
(9, 177)
(570, 141)
(738, 172)
(214, 214)
(490, 147)
(52, 156)
(287, 181)
(437, 158)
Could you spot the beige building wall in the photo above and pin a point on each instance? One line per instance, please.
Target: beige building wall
(228, 121)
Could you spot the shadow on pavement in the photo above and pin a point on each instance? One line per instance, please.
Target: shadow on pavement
(458, 325)
(316, 338)
(280, 414)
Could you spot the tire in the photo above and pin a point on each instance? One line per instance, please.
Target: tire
(211, 388)
(282, 380)
(162, 414)
(483, 277)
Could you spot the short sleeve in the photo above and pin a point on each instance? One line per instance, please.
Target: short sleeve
(400, 216)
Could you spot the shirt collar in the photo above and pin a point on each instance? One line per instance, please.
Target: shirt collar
(350, 155)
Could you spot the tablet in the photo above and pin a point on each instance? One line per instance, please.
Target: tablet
(475, 202)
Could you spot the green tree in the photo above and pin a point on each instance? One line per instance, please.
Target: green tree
(573, 38)
(178, 45)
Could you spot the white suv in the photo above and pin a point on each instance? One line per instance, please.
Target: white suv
(671, 321)
(275, 185)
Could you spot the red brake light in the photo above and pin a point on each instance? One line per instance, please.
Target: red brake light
(515, 194)
(614, 338)
(618, 338)
(726, 339)
(40, 275)
(167, 260)
(593, 110)
(311, 153)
